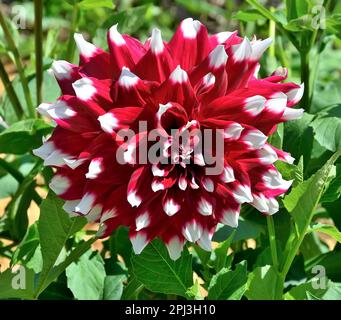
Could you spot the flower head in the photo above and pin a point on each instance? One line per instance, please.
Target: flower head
(180, 90)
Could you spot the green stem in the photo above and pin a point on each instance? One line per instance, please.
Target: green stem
(71, 42)
(314, 73)
(17, 175)
(272, 35)
(12, 47)
(10, 92)
(38, 33)
(305, 78)
(272, 240)
(291, 255)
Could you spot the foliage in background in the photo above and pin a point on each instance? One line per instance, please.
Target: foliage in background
(265, 258)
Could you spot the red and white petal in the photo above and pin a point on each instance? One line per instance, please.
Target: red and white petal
(65, 73)
(242, 193)
(253, 138)
(259, 47)
(157, 63)
(177, 88)
(129, 90)
(205, 240)
(118, 118)
(295, 95)
(170, 203)
(189, 45)
(221, 38)
(139, 241)
(124, 51)
(229, 217)
(93, 61)
(174, 247)
(192, 231)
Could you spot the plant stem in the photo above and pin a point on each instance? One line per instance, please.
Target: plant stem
(305, 78)
(10, 92)
(71, 42)
(272, 35)
(19, 65)
(291, 255)
(272, 240)
(38, 32)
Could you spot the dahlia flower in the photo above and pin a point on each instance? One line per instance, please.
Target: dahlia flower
(195, 81)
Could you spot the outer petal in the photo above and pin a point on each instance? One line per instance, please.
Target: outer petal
(189, 45)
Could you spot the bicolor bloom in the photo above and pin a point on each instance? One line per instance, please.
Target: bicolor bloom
(194, 81)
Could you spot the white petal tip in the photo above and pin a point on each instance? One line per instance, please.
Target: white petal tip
(86, 49)
(139, 242)
(115, 36)
(62, 69)
(84, 89)
(192, 231)
(230, 218)
(190, 28)
(292, 114)
(218, 57)
(127, 79)
(156, 43)
(179, 75)
(258, 48)
(174, 247)
(134, 199)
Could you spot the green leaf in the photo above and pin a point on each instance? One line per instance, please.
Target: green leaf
(307, 291)
(23, 136)
(132, 289)
(85, 277)
(334, 24)
(327, 128)
(333, 191)
(296, 8)
(262, 284)
(276, 139)
(303, 199)
(298, 137)
(221, 252)
(265, 257)
(130, 20)
(77, 252)
(247, 16)
(51, 92)
(55, 228)
(195, 291)
(326, 229)
(262, 10)
(154, 268)
(113, 287)
(27, 246)
(300, 24)
(202, 254)
(122, 244)
(246, 229)
(227, 284)
(92, 4)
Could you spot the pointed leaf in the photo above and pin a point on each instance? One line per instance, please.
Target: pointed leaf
(229, 284)
(154, 268)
